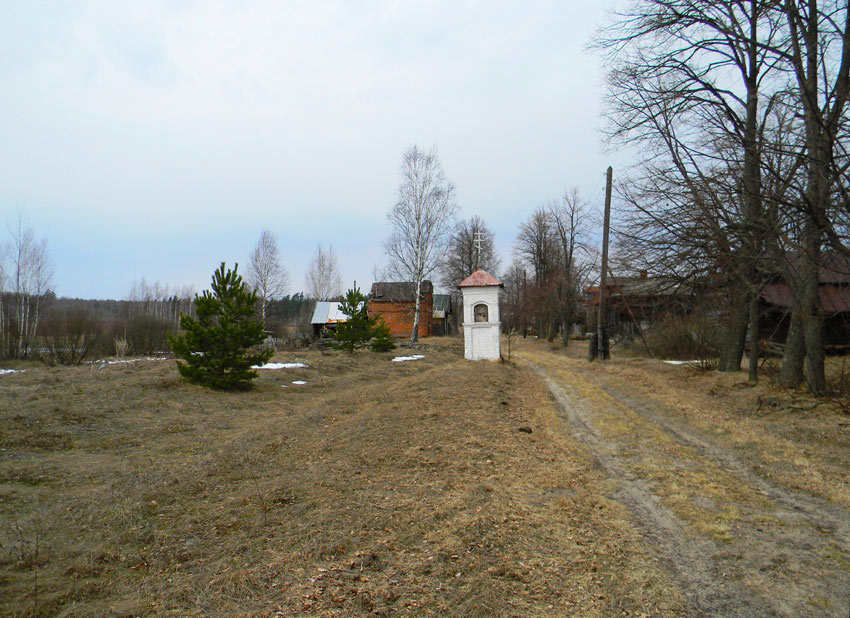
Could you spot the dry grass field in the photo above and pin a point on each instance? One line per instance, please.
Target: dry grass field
(435, 487)
(743, 489)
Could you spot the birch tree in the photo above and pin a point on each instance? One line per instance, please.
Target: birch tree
(30, 276)
(323, 279)
(266, 276)
(4, 329)
(420, 222)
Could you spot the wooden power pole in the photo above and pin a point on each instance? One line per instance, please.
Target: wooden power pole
(602, 349)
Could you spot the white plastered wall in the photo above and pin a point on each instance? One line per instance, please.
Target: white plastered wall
(481, 339)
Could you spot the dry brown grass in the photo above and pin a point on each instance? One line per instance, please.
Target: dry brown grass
(797, 440)
(381, 489)
(734, 463)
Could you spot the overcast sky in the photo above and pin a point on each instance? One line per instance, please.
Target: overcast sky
(157, 139)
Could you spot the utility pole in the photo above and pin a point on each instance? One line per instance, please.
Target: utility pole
(602, 350)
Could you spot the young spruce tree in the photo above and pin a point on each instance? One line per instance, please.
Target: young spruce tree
(217, 347)
(357, 331)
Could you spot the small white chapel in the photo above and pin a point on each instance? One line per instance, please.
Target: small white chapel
(481, 325)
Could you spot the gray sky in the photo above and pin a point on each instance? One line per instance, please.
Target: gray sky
(157, 139)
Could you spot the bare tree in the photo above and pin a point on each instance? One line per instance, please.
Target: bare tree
(4, 330)
(550, 242)
(537, 245)
(323, 279)
(819, 58)
(159, 301)
(266, 275)
(420, 221)
(471, 246)
(568, 218)
(515, 308)
(30, 274)
(693, 84)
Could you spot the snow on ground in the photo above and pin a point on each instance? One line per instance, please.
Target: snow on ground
(401, 359)
(299, 382)
(127, 360)
(5, 371)
(280, 366)
(693, 362)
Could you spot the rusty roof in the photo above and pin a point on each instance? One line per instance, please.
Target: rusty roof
(832, 299)
(480, 278)
(399, 291)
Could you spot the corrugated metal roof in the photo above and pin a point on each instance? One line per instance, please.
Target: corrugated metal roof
(327, 313)
(638, 286)
(834, 267)
(480, 278)
(832, 299)
(442, 302)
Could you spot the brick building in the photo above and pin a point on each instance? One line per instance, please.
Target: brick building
(395, 303)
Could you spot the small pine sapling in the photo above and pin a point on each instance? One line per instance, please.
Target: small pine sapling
(382, 339)
(357, 330)
(220, 347)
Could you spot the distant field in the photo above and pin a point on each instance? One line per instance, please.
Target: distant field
(435, 487)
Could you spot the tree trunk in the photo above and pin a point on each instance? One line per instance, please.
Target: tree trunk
(811, 317)
(565, 329)
(754, 340)
(791, 375)
(736, 333)
(414, 336)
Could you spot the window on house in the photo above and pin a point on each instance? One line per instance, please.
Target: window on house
(480, 312)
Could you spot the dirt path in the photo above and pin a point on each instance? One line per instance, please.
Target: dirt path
(738, 544)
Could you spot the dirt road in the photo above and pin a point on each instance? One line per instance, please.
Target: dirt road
(737, 542)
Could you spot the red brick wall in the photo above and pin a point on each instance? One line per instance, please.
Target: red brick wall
(399, 316)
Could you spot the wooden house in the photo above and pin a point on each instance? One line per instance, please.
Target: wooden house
(834, 290)
(634, 303)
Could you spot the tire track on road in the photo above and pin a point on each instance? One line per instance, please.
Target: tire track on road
(712, 574)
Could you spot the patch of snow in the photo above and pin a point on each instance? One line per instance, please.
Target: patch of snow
(127, 360)
(280, 366)
(5, 371)
(299, 382)
(693, 362)
(134, 360)
(401, 359)
(284, 385)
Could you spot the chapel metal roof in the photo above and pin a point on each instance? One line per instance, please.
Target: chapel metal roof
(480, 278)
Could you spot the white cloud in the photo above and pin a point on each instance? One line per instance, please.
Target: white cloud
(150, 121)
